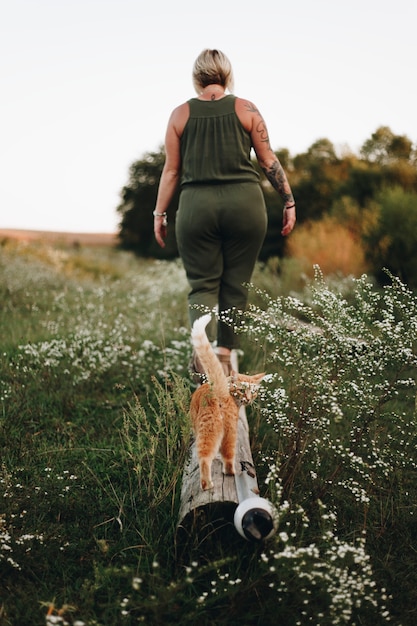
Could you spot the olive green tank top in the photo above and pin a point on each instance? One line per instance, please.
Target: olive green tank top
(215, 148)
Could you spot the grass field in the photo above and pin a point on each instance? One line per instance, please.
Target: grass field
(94, 433)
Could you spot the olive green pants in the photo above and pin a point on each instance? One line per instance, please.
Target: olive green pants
(220, 230)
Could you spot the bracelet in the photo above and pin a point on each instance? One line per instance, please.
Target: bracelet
(291, 206)
(164, 217)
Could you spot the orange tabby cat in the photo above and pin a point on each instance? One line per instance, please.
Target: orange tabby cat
(215, 405)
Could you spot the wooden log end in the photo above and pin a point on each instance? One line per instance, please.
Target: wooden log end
(206, 528)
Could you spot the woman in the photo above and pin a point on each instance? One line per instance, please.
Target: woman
(221, 220)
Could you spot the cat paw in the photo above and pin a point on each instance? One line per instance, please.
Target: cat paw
(229, 469)
(207, 485)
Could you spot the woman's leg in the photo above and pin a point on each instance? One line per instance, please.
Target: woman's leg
(220, 230)
(243, 226)
(200, 248)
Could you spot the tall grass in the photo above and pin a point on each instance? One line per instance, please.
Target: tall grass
(94, 433)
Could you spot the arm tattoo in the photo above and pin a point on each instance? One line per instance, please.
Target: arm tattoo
(260, 127)
(276, 176)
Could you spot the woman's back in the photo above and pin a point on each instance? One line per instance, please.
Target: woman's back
(215, 147)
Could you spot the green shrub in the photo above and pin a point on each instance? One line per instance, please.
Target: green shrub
(392, 242)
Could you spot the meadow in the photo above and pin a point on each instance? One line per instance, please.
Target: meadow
(94, 434)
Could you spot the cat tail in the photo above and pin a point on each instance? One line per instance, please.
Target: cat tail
(207, 356)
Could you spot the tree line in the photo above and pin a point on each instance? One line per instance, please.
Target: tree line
(372, 196)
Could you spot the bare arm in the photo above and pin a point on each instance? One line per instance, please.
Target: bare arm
(278, 179)
(171, 172)
(253, 121)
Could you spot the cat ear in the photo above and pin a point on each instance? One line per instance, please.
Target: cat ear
(259, 377)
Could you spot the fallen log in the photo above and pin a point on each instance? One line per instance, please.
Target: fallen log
(204, 512)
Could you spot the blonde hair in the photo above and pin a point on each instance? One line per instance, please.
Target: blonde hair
(212, 67)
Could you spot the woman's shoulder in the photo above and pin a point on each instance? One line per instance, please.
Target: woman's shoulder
(181, 109)
(246, 110)
(179, 117)
(244, 104)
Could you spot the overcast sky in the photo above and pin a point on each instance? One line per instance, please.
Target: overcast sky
(87, 87)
